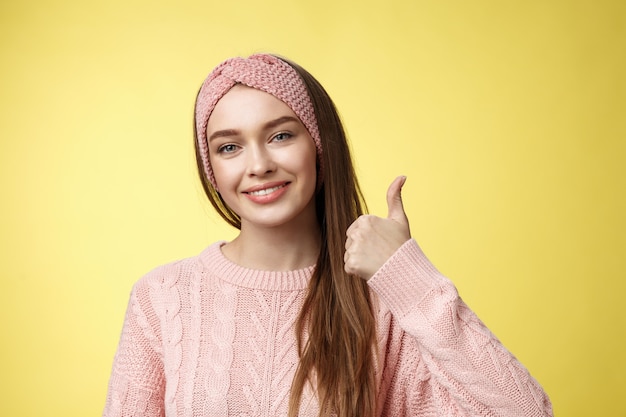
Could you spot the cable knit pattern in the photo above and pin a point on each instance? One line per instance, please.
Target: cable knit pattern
(169, 311)
(206, 337)
(195, 293)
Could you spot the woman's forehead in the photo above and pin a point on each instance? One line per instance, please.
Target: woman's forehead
(243, 105)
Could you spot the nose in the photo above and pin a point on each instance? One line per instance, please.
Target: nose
(260, 161)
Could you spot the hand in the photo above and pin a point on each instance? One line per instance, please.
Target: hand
(372, 240)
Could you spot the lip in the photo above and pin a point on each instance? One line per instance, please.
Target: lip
(265, 186)
(274, 191)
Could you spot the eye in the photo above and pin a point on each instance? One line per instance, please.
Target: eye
(282, 136)
(227, 148)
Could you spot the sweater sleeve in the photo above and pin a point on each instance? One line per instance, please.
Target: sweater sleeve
(137, 383)
(466, 363)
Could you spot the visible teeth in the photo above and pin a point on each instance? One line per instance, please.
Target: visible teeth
(265, 191)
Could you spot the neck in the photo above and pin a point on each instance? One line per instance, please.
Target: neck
(275, 249)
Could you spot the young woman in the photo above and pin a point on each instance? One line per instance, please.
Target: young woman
(313, 309)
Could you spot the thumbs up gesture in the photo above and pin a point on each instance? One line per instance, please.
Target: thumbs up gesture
(371, 240)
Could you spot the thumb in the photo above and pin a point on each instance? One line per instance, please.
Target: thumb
(394, 201)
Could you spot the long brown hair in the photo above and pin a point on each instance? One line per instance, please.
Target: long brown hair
(337, 312)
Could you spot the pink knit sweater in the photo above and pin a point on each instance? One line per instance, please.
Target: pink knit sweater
(206, 337)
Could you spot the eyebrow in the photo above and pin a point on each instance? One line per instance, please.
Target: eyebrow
(269, 125)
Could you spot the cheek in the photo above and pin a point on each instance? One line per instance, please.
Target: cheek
(311, 165)
(224, 174)
(305, 164)
(302, 164)
(305, 158)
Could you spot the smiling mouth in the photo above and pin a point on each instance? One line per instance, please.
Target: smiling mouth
(266, 191)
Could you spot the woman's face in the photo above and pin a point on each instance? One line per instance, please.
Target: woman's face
(263, 159)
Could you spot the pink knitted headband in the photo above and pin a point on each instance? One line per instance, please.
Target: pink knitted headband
(263, 72)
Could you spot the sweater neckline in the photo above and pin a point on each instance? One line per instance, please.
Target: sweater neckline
(214, 262)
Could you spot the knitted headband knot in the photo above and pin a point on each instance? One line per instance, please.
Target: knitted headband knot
(262, 72)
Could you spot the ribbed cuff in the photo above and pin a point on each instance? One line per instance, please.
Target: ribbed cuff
(406, 277)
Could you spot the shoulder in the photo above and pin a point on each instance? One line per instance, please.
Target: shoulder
(178, 274)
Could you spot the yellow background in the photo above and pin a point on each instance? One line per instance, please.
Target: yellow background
(507, 117)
